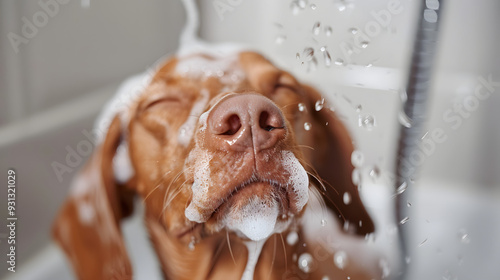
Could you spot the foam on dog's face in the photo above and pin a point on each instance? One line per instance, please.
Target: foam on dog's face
(259, 216)
(256, 220)
(215, 187)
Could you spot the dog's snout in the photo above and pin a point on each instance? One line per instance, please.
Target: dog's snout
(248, 120)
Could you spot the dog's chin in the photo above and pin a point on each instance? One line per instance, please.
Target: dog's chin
(255, 212)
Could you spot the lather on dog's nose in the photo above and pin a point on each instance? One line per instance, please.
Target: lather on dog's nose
(248, 121)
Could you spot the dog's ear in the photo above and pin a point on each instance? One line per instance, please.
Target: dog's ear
(88, 225)
(331, 158)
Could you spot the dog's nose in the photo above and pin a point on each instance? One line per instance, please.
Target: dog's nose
(247, 120)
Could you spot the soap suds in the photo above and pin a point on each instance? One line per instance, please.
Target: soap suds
(299, 180)
(256, 220)
(186, 131)
(86, 212)
(119, 104)
(122, 166)
(254, 249)
(199, 188)
(222, 65)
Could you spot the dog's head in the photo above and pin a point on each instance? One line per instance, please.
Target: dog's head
(222, 143)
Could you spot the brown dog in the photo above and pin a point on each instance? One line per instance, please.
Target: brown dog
(224, 151)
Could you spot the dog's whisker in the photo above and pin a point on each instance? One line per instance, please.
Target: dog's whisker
(173, 195)
(274, 258)
(217, 252)
(153, 190)
(167, 198)
(290, 104)
(167, 192)
(322, 204)
(315, 175)
(170, 185)
(305, 146)
(158, 185)
(229, 246)
(284, 251)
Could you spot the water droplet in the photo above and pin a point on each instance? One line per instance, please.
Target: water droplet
(402, 188)
(297, 55)
(308, 54)
(364, 44)
(353, 30)
(369, 237)
(302, 107)
(292, 238)
(339, 61)
(359, 108)
(342, 8)
(340, 259)
(422, 243)
(403, 96)
(404, 220)
(367, 121)
(384, 265)
(357, 158)
(305, 262)
(280, 39)
(375, 173)
(316, 28)
(325, 278)
(323, 222)
(313, 7)
(192, 244)
(464, 236)
(328, 31)
(356, 177)
(326, 56)
(369, 65)
(294, 6)
(408, 204)
(307, 126)
(404, 120)
(347, 198)
(319, 105)
(302, 3)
